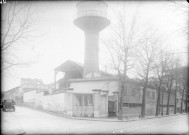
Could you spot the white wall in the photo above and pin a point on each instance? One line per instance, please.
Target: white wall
(88, 86)
(61, 102)
(29, 96)
(38, 98)
(53, 102)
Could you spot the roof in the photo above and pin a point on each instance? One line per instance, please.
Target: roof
(69, 65)
(28, 90)
(12, 90)
(72, 65)
(92, 79)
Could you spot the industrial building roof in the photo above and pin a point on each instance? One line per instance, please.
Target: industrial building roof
(70, 65)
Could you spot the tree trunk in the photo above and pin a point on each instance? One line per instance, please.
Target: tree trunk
(182, 101)
(186, 103)
(162, 103)
(158, 102)
(143, 103)
(144, 94)
(120, 114)
(167, 113)
(123, 85)
(175, 110)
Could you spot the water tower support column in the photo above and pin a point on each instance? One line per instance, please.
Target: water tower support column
(91, 62)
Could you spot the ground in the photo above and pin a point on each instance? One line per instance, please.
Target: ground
(33, 121)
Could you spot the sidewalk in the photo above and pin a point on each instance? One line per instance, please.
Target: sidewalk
(104, 119)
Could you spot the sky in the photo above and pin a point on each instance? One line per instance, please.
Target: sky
(56, 39)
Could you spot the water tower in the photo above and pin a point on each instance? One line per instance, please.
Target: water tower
(91, 17)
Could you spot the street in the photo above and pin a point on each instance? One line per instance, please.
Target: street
(32, 122)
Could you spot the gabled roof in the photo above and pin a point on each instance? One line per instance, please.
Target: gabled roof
(69, 65)
(72, 65)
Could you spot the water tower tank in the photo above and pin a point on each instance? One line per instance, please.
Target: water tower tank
(91, 17)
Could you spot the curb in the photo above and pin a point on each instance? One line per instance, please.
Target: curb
(103, 120)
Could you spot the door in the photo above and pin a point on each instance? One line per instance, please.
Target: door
(111, 108)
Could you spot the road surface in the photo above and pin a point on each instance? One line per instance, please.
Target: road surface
(37, 122)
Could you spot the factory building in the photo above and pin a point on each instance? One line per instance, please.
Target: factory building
(88, 91)
(104, 83)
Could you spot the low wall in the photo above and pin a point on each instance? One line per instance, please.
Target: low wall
(65, 103)
(52, 102)
(131, 111)
(61, 103)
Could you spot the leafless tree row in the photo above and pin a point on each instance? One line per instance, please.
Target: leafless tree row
(139, 48)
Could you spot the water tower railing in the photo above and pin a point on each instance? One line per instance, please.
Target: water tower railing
(91, 13)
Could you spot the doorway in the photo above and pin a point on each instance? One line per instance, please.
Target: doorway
(112, 108)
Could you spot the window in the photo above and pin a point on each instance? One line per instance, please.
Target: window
(139, 105)
(132, 105)
(148, 94)
(125, 104)
(84, 99)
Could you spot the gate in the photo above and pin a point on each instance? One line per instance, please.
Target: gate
(83, 105)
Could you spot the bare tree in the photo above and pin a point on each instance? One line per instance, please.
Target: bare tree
(147, 57)
(183, 92)
(171, 80)
(181, 84)
(177, 79)
(125, 38)
(16, 23)
(166, 73)
(158, 79)
(182, 8)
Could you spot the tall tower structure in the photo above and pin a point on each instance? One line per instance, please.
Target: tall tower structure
(91, 17)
